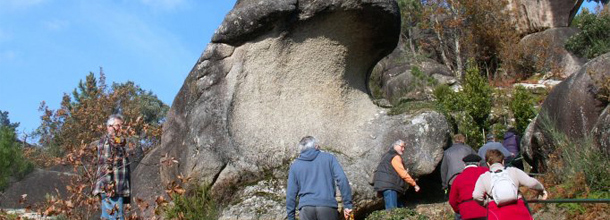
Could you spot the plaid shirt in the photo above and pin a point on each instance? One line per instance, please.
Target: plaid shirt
(112, 168)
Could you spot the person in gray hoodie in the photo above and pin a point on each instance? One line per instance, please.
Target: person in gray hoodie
(313, 177)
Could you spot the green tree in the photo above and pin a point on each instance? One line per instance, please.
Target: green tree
(593, 40)
(5, 121)
(523, 107)
(12, 162)
(469, 108)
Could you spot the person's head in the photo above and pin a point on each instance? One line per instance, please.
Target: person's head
(490, 137)
(398, 146)
(512, 130)
(114, 124)
(494, 156)
(459, 139)
(308, 142)
(472, 159)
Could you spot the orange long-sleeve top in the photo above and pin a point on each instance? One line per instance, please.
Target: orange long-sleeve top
(402, 172)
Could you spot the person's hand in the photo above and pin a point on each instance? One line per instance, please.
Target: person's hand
(416, 188)
(346, 213)
(544, 195)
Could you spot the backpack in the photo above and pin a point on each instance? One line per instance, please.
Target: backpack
(503, 189)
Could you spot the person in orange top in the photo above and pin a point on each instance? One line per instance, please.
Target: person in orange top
(390, 177)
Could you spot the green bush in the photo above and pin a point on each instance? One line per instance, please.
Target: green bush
(593, 40)
(523, 107)
(12, 162)
(196, 204)
(469, 108)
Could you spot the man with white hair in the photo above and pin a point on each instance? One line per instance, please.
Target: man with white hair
(112, 183)
(312, 177)
(390, 177)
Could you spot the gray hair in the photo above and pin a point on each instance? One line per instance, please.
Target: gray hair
(113, 118)
(398, 142)
(308, 142)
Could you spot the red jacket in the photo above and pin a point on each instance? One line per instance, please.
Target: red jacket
(460, 196)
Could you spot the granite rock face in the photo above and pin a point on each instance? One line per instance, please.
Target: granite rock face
(275, 72)
(534, 16)
(575, 107)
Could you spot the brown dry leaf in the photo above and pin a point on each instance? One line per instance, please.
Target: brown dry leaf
(161, 201)
(179, 190)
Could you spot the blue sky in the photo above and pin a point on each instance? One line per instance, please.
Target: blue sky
(47, 46)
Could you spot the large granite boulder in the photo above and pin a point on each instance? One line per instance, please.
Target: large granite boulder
(534, 16)
(574, 107)
(545, 52)
(277, 71)
(37, 185)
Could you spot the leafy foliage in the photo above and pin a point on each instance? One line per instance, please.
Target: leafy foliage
(482, 30)
(12, 162)
(593, 40)
(81, 121)
(197, 204)
(469, 108)
(71, 131)
(5, 121)
(523, 107)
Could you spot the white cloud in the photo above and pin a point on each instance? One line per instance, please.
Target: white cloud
(163, 4)
(56, 25)
(19, 4)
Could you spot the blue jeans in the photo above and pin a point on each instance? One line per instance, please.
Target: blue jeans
(390, 197)
(112, 205)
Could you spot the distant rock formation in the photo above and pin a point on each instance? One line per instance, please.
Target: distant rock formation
(545, 52)
(277, 71)
(535, 16)
(575, 109)
(37, 186)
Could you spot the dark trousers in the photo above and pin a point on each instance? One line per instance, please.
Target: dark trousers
(318, 213)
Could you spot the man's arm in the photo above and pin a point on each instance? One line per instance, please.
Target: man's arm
(291, 195)
(343, 183)
(524, 179)
(402, 172)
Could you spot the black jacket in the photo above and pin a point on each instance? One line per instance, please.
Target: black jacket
(385, 177)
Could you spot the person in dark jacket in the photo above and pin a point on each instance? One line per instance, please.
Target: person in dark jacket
(390, 177)
(512, 144)
(313, 177)
(460, 197)
(452, 163)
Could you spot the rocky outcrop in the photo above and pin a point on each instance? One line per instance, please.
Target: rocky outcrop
(277, 71)
(37, 186)
(545, 52)
(535, 16)
(573, 108)
(402, 77)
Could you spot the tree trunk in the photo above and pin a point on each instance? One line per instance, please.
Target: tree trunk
(458, 59)
(441, 45)
(411, 44)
